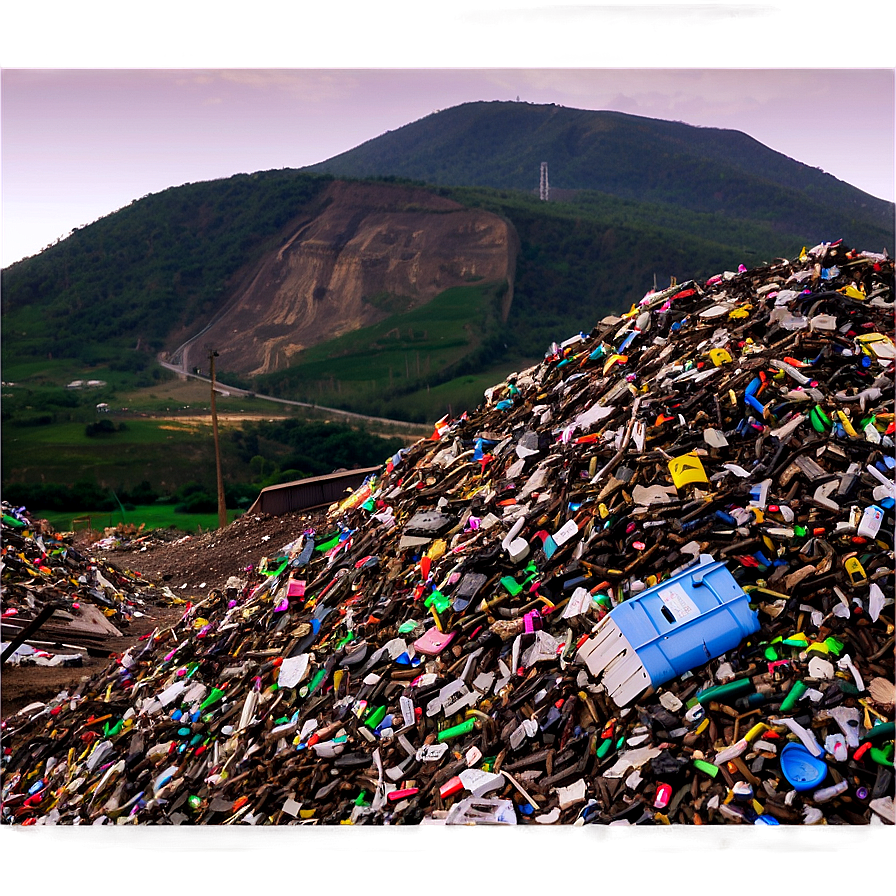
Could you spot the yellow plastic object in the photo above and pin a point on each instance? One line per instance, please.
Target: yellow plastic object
(435, 616)
(868, 338)
(687, 470)
(356, 498)
(719, 356)
(853, 293)
(740, 312)
(755, 731)
(847, 425)
(613, 359)
(437, 549)
(855, 571)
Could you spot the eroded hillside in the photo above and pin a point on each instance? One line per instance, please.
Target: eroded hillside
(366, 251)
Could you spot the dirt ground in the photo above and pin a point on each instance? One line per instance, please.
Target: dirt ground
(203, 562)
(21, 685)
(189, 568)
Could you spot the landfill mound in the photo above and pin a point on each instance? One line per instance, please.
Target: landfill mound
(647, 581)
(65, 611)
(193, 564)
(53, 589)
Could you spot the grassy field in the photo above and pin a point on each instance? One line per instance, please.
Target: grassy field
(163, 428)
(155, 516)
(170, 453)
(377, 368)
(463, 393)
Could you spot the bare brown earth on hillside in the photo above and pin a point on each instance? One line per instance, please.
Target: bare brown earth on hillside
(363, 241)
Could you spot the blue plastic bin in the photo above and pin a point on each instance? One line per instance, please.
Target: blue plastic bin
(665, 631)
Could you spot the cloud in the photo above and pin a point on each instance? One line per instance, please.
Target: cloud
(308, 84)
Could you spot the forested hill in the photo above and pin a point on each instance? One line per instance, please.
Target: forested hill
(149, 270)
(502, 144)
(633, 201)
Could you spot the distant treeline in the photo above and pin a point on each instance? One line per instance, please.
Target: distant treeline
(267, 453)
(194, 497)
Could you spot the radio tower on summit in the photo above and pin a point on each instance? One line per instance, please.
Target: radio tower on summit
(544, 191)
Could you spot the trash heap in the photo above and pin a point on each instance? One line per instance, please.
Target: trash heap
(53, 590)
(647, 581)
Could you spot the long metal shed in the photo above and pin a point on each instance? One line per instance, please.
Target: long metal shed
(305, 494)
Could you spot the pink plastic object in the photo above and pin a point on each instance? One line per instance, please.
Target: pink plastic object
(433, 642)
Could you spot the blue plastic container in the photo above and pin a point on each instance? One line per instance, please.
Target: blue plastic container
(803, 770)
(669, 629)
(687, 620)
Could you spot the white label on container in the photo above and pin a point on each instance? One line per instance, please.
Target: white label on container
(871, 520)
(479, 782)
(678, 602)
(431, 752)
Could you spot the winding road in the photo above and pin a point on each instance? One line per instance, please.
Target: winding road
(416, 429)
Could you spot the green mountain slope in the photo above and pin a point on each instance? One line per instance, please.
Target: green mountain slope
(149, 270)
(635, 199)
(578, 262)
(501, 144)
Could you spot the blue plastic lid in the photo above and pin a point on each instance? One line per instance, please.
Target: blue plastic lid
(803, 770)
(766, 819)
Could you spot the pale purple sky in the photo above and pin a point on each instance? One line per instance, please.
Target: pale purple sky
(79, 142)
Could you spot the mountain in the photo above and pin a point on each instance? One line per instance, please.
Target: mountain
(401, 286)
(154, 271)
(502, 144)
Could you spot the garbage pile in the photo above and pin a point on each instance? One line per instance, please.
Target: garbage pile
(53, 590)
(647, 581)
(193, 564)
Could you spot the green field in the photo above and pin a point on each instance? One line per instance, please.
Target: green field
(463, 393)
(168, 453)
(387, 369)
(155, 516)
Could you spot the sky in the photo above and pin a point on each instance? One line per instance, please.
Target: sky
(79, 141)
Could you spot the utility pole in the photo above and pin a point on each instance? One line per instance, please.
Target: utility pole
(222, 506)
